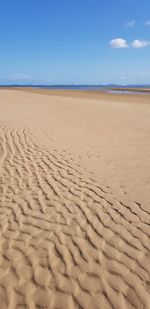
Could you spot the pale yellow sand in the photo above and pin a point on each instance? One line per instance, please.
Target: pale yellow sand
(74, 200)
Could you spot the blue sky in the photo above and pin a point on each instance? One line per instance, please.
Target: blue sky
(75, 41)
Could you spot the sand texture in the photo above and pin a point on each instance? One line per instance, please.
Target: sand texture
(74, 201)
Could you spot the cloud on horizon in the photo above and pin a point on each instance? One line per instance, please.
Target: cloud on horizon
(140, 43)
(118, 43)
(122, 43)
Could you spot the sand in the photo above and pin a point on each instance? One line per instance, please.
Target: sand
(74, 200)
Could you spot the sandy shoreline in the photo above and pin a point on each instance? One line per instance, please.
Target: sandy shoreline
(88, 94)
(141, 89)
(74, 199)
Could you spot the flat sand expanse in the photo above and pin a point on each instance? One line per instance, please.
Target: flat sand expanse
(74, 200)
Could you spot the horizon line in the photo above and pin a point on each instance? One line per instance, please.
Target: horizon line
(73, 85)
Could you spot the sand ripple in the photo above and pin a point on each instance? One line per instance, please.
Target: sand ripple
(65, 241)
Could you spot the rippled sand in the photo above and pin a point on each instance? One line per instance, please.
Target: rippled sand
(74, 200)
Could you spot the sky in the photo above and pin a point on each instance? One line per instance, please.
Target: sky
(74, 41)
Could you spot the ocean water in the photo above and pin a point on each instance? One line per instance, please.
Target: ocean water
(73, 87)
(100, 88)
(125, 91)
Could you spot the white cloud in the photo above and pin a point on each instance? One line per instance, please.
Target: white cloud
(121, 43)
(140, 43)
(130, 23)
(118, 43)
(147, 23)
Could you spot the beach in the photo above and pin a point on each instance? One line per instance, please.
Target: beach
(74, 199)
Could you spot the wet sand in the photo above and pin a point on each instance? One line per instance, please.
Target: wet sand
(74, 199)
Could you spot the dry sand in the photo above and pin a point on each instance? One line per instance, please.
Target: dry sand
(74, 200)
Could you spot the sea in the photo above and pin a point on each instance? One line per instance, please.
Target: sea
(114, 89)
(106, 89)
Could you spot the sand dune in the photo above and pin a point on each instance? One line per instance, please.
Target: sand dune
(72, 236)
